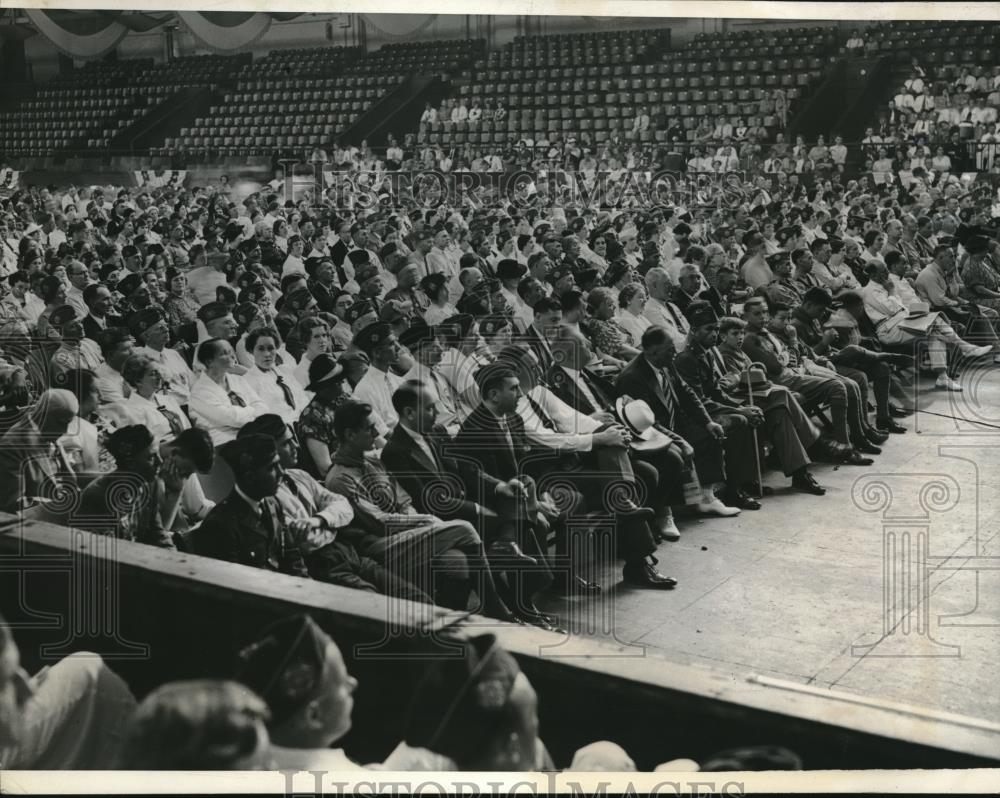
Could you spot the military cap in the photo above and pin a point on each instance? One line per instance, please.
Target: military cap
(248, 453)
(510, 269)
(359, 256)
(829, 226)
(372, 336)
(787, 233)
(778, 258)
(491, 325)
(299, 298)
(154, 249)
(62, 315)
(461, 701)
(433, 283)
(751, 238)
(683, 228)
(358, 310)
(558, 273)
(701, 314)
(246, 312)
(387, 250)
(365, 272)
(253, 292)
(142, 320)
(268, 424)
(285, 665)
(456, 328)
(126, 442)
(392, 312)
(212, 311)
(129, 283)
(417, 335)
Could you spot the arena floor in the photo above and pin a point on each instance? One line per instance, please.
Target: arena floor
(798, 590)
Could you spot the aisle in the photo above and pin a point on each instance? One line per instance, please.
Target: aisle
(794, 591)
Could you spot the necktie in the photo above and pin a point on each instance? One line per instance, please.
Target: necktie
(285, 390)
(236, 399)
(542, 415)
(176, 427)
(293, 486)
(444, 390)
(507, 436)
(267, 521)
(668, 395)
(681, 324)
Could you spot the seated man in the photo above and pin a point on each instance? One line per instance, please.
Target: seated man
(571, 381)
(249, 525)
(126, 503)
(298, 670)
(789, 429)
(68, 716)
(315, 518)
(850, 360)
(696, 367)
(651, 376)
(494, 436)
(939, 284)
(204, 724)
(788, 366)
(379, 382)
(398, 535)
(477, 711)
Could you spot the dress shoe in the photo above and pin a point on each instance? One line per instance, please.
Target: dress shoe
(876, 436)
(891, 426)
(665, 529)
(737, 498)
(643, 574)
(804, 481)
(853, 457)
(867, 448)
(510, 552)
(946, 383)
(900, 412)
(716, 507)
(755, 489)
(897, 359)
(531, 611)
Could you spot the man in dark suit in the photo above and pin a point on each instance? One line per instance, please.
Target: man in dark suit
(248, 526)
(652, 378)
(99, 302)
(571, 381)
(417, 455)
(493, 435)
(548, 315)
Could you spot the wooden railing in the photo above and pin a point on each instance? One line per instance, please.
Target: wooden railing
(159, 615)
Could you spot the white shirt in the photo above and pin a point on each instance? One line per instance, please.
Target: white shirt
(436, 383)
(139, 410)
(676, 325)
(175, 370)
(74, 297)
(293, 265)
(267, 388)
(111, 384)
(211, 407)
(573, 430)
(634, 325)
(376, 388)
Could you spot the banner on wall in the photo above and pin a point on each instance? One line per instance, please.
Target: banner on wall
(151, 178)
(84, 41)
(399, 26)
(226, 30)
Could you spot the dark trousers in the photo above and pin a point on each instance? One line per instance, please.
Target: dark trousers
(339, 563)
(860, 365)
(709, 453)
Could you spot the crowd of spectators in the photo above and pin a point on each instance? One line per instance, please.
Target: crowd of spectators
(433, 403)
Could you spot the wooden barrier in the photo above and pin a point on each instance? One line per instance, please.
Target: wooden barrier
(159, 615)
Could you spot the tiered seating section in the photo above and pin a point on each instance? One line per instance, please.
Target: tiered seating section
(313, 61)
(61, 119)
(592, 85)
(419, 57)
(938, 42)
(270, 114)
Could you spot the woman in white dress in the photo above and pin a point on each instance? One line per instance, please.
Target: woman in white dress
(436, 287)
(632, 301)
(222, 402)
(148, 403)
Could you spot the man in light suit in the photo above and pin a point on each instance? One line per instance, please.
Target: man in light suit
(661, 311)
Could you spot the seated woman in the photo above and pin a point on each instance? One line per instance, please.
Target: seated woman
(222, 402)
(436, 287)
(315, 425)
(148, 403)
(631, 303)
(605, 332)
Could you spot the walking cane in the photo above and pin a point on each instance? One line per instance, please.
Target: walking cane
(756, 445)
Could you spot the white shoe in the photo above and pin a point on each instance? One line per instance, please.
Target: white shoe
(668, 529)
(978, 351)
(716, 507)
(946, 383)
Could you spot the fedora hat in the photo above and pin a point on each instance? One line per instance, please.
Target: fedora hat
(638, 418)
(757, 378)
